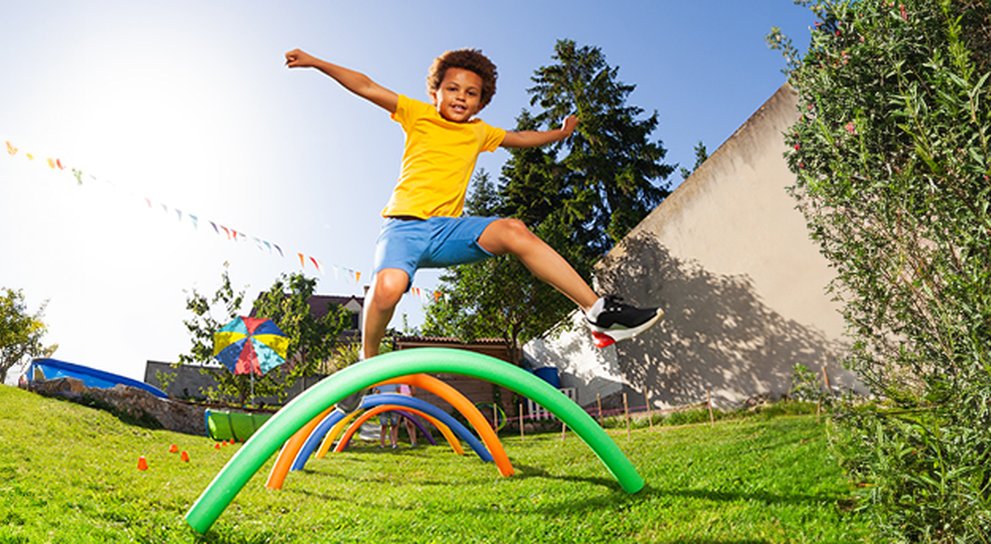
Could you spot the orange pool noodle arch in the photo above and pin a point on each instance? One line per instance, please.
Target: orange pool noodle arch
(289, 450)
(460, 403)
(444, 429)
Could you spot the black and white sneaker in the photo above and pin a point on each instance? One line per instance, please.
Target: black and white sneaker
(612, 320)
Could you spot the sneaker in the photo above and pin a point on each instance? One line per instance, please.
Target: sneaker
(611, 320)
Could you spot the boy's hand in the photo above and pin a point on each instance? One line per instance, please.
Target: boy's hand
(568, 128)
(297, 58)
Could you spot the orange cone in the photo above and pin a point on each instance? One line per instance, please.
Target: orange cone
(232, 441)
(142, 463)
(184, 456)
(216, 446)
(173, 449)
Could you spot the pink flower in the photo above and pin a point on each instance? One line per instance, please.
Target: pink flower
(797, 147)
(851, 128)
(901, 8)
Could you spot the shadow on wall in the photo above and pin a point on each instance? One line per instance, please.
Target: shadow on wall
(717, 334)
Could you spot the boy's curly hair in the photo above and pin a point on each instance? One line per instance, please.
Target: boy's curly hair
(466, 59)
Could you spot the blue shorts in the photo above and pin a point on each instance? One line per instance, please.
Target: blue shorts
(437, 242)
(388, 418)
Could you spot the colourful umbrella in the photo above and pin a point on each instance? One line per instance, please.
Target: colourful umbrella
(250, 345)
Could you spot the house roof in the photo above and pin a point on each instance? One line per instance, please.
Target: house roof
(448, 340)
(320, 304)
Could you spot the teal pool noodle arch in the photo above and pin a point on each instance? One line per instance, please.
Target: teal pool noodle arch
(308, 405)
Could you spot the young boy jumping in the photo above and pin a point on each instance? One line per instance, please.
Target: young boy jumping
(423, 225)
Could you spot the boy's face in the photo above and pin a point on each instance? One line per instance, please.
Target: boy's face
(458, 97)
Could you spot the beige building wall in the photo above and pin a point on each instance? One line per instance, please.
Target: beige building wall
(728, 257)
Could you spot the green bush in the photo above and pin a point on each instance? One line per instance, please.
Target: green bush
(892, 161)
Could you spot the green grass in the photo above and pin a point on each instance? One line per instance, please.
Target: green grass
(68, 474)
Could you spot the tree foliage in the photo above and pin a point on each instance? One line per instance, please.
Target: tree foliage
(701, 155)
(311, 339)
(21, 332)
(892, 161)
(580, 196)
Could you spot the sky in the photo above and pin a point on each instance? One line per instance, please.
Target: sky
(188, 105)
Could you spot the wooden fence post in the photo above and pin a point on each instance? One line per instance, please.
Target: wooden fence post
(626, 414)
(598, 401)
(708, 402)
(521, 422)
(650, 413)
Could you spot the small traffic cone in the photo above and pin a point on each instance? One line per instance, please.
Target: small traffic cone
(223, 444)
(173, 449)
(216, 446)
(184, 456)
(142, 463)
(232, 441)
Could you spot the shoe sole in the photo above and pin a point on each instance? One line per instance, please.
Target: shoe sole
(607, 337)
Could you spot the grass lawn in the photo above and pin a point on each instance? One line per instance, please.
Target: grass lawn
(68, 474)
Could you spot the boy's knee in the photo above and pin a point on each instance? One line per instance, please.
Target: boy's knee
(389, 287)
(515, 226)
(514, 232)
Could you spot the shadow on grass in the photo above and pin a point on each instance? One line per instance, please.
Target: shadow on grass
(742, 496)
(618, 497)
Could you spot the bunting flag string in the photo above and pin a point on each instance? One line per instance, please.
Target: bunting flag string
(234, 235)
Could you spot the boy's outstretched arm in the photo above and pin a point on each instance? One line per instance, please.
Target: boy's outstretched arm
(356, 82)
(535, 138)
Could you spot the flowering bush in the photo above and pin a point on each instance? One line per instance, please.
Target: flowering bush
(892, 160)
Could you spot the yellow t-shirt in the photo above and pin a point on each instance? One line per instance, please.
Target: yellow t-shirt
(438, 159)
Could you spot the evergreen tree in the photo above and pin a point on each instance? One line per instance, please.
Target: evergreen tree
(610, 174)
(701, 154)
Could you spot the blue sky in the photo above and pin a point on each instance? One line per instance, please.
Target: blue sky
(189, 104)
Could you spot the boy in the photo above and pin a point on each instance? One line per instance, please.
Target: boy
(423, 225)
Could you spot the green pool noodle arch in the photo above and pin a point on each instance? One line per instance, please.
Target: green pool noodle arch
(270, 437)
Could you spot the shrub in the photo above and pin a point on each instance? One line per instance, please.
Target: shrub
(892, 159)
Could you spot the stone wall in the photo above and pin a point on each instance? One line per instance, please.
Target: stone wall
(130, 404)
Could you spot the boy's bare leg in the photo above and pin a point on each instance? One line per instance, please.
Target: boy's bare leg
(512, 236)
(387, 289)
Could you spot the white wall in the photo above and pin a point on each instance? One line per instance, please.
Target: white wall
(728, 257)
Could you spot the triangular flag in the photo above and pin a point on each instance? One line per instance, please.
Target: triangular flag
(11, 149)
(78, 175)
(302, 263)
(195, 220)
(281, 254)
(51, 164)
(316, 264)
(357, 277)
